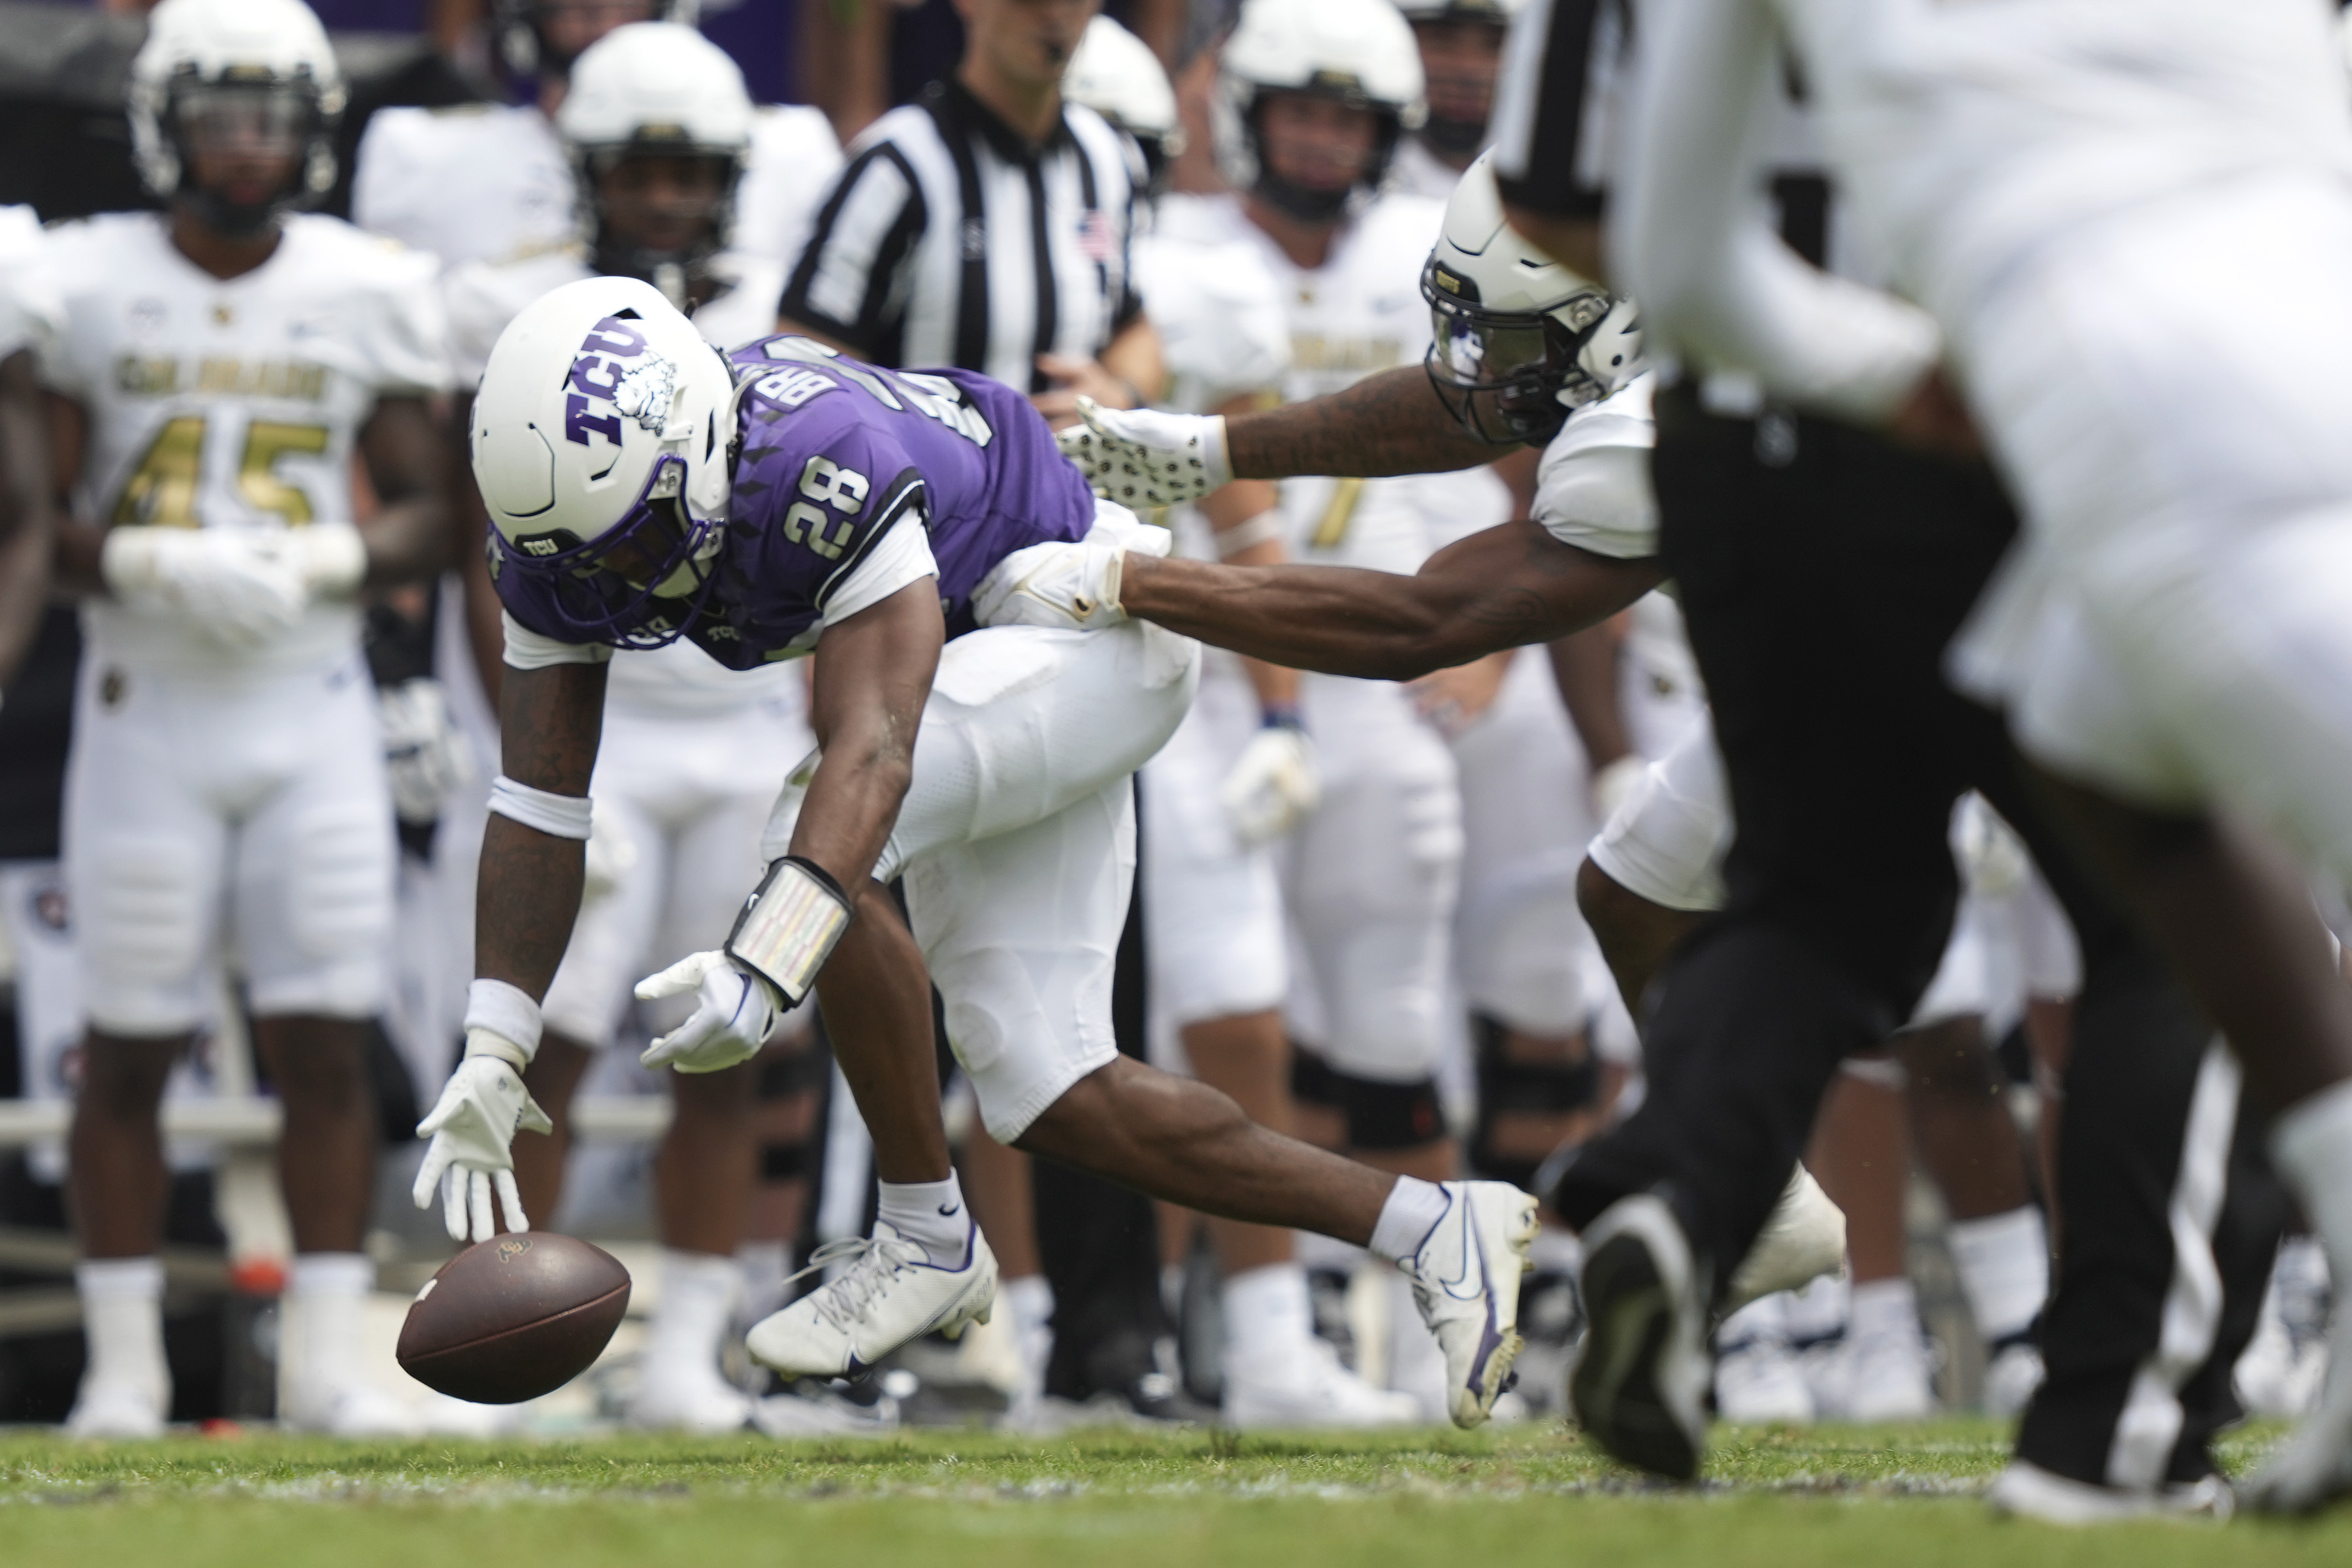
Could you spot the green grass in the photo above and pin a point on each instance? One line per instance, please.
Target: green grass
(1821, 1497)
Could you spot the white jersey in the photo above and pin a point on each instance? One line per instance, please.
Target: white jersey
(1359, 314)
(235, 403)
(680, 679)
(474, 182)
(30, 307)
(794, 156)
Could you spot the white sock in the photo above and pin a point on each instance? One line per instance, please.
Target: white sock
(933, 1216)
(1821, 1311)
(122, 1319)
(1266, 1311)
(1884, 1308)
(1413, 1211)
(765, 1265)
(1029, 1299)
(320, 1329)
(2311, 1146)
(2003, 1261)
(698, 1295)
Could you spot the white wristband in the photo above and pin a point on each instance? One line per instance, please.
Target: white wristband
(557, 815)
(502, 1016)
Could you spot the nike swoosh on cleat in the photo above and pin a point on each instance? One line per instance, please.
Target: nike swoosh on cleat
(1469, 1245)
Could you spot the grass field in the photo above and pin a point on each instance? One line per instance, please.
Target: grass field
(1823, 1498)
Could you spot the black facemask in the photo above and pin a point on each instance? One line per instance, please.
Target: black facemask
(1454, 140)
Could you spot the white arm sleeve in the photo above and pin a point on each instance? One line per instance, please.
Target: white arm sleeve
(1692, 234)
(526, 650)
(900, 556)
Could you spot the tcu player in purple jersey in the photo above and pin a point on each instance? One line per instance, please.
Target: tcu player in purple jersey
(643, 490)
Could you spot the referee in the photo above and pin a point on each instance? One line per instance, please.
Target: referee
(986, 226)
(1822, 571)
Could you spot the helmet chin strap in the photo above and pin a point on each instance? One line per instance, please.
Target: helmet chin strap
(1308, 204)
(233, 220)
(1451, 139)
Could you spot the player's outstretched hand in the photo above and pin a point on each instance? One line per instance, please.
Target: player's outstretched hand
(735, 1012)
(472, 1128)
(1140, 458)
(1273, 784)
(233, 582)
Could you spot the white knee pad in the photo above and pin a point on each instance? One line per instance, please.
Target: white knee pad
(1667, 841)
(328, 951)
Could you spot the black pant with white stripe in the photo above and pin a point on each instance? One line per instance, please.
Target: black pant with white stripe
(1822, 574)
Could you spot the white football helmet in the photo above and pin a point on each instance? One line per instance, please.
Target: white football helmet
(1360, 52)
(656, 87)
(1115, 73)
(603, 443)
(255, 68)
(1521, 341)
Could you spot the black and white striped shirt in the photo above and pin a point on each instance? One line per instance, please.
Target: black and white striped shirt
(950, 240)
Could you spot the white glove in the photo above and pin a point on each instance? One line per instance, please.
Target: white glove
(1273, 784)
(1142, 457)
(329, 558)
(736, 1013)
(1071, 586)
(481, 1108)
(241, 587)
(422, 749)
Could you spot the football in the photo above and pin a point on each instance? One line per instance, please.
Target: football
(514, 1317)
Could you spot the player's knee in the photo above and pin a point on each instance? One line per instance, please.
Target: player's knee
(124, 1077)
(1523, 1092)
(1385, 1116)
(711, 1103)
(319, 1065)
(342, 883)
(1613, 909)
(1949, 1060)
(142, 915)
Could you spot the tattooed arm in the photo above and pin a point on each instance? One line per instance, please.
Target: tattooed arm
(1501, 588)
(528, 894)
(1391, 423)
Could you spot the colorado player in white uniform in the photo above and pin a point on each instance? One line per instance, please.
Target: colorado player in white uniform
(493, 182)
(223, 365)
(1313, 100)
(28, 320)
(2067, 191)
(1218, 799)
(658, 124)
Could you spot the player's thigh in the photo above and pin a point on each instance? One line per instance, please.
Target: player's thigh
(314, 862)
(612, 946)
(1211, 906)
(1020, 932)
(145, 851)
(1666, 841)
(1023, 722)
(1375, 875)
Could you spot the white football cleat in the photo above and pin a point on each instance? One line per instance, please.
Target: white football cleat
(1639, 1385)
(1878, 1379)
(890, 1293)
(1304, 1389)
(2026, 1490)
(1466, 1280)
(1804, 1238)
(2010, 1379)
(823, 1415)
(115, 1410)
(2313, 1466)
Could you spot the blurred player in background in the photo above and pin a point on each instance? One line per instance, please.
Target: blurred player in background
(222, 366)
(658, 125)
(1461, 46)
(1231, 782)
(28, 320)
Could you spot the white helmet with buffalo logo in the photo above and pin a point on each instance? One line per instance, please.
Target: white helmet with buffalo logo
(1520, 341)
(603, 443)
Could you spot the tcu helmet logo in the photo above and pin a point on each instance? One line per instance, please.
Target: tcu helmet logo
(614, 366)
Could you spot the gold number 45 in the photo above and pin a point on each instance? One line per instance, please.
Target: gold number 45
(162, 489)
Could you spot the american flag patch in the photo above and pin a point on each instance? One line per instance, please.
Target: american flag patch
(1097, 238)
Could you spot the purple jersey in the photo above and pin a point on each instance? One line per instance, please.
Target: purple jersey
(835, 453)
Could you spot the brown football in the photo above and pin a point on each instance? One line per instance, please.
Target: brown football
(514, 1317)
